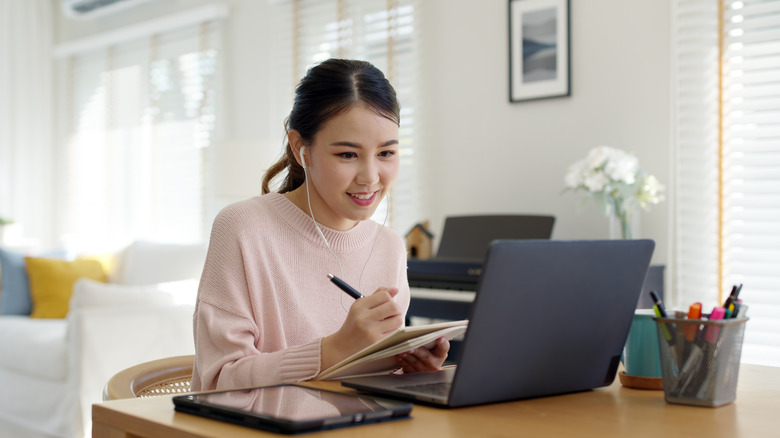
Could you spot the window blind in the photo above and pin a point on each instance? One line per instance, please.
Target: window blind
(695, 56)
(383, 32)
(141, 114)
(751, 171)
(727, 155)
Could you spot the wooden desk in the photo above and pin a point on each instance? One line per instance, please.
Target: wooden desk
(611, 411)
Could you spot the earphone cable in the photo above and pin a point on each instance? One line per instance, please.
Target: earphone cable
(327, 245)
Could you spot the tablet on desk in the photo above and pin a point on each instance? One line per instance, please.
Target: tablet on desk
(291, 408)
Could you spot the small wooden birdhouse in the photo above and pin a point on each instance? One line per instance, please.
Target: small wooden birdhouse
(419, 242)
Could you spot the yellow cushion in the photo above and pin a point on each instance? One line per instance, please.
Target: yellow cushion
(106, 259)
(51, 283)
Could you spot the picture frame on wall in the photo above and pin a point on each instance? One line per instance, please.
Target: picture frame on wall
(539, 55)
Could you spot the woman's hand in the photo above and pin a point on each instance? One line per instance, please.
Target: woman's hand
(370, 319)
(423, 359)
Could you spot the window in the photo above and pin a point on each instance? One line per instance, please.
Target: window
(727, 161)
(140, 115)
(383, 32)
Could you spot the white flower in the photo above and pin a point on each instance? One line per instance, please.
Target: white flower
(595, 181)
(613, 178)
(598, 155)
(574, 176)
(622, 167)
(650, 191)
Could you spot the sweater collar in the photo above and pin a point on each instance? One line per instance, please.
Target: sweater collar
(356, 237)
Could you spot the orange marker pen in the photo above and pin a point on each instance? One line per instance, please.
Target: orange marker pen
(694, 312)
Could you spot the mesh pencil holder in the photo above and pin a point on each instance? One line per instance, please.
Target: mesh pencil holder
(700, 359)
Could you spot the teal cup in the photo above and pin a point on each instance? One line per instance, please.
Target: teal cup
(641, 357)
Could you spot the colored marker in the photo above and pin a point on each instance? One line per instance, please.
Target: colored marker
(729, 298)
(660, 312)
(705, 373)
(694, 312)
(736, 306)
(732, 296)
(671, 339)
(658, 304)
(713, 330)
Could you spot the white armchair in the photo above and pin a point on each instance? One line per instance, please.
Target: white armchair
(144, 313)
(138, 324)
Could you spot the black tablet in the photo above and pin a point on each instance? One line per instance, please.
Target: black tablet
(291, 408)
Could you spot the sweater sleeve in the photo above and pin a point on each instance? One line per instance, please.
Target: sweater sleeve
(228, 354)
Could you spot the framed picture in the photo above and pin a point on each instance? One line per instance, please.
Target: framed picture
(538, 49)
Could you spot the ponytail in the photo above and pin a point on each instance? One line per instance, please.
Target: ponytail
(295, 174)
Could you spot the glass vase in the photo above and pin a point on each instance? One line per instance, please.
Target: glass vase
(622, 227)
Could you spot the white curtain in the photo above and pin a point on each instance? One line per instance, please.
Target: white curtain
(26, 107)
(139, 114)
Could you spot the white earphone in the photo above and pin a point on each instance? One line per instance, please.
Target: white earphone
(311, 212)
(322, 235)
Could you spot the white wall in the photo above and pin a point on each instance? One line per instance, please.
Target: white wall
(488, 155)
(482, 153)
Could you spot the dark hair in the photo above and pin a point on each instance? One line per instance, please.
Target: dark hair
(327, 90)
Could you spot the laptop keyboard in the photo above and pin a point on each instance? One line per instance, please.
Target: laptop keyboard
(438, 388)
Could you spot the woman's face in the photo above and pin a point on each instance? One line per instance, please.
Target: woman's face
(351, 165)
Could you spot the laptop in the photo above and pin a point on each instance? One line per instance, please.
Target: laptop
(549, 317)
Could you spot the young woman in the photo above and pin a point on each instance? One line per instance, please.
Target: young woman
(267, 312)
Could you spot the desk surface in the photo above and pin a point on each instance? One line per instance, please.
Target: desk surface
(610, 411)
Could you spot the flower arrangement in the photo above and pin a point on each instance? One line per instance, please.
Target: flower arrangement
(613, 179)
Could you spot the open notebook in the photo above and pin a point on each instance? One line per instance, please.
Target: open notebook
(379, 357)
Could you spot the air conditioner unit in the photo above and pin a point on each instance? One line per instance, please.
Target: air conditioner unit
(96, 8)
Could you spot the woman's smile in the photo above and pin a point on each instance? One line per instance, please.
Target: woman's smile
(351, 165)
(363, 199)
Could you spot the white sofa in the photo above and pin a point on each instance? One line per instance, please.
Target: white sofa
(53, 370)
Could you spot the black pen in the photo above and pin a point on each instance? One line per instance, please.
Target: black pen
(345, 287)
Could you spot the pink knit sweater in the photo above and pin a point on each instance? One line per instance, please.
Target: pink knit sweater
(265, 301)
